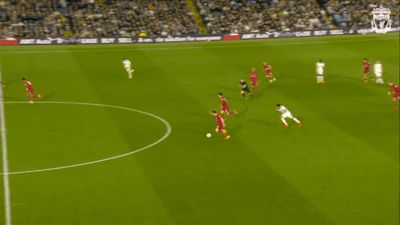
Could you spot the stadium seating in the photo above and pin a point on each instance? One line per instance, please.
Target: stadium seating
(132, 18)
(357, 13)
(86, 18)
(227, 16)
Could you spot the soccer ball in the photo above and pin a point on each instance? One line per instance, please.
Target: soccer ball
(208, 135)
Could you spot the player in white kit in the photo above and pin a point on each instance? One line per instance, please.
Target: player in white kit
(286, 114)
(320, 71)
(378, 72)
(128, 67)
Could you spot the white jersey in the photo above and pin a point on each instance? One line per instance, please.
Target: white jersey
(320, 68)
(283, 109)
(378, 69)
(126, 63)
(285, 112)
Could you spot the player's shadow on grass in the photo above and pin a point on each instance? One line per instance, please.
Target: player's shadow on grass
(199, 115)
(263, 122)
(198, 132)
(260, 93)
(332, 76)
(47, 96)
(8, 98)
(233, 129)
(228, 88)
(12, 81)
(243, 111)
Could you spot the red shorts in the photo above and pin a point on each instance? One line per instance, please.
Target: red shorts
(225, 108)
(366, 70)
(396, 96)
(254, 82)
(30, 92)
(219, 128)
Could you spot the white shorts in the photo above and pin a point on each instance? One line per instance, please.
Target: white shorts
(287, 115)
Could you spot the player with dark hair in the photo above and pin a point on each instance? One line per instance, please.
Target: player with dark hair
(253, 78)
(395, 92)
(244, 88)
(225, 106)
(285, 113)
(366, 70)
(220, 129)
(268, 72)
(30, 91)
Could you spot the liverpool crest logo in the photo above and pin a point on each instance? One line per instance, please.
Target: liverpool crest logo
(381, 22)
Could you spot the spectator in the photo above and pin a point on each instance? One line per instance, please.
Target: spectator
(237, 16)
(358, 13)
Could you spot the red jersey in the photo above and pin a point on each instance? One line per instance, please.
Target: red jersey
(267, 69)
(28, 86)
(366, 66)
(395, 90)
(219, 120)
(223, 101)
(253, 76)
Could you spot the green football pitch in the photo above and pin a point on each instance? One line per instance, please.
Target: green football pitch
(101, 149)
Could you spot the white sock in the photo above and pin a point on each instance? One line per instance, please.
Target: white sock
(296, 120)
(284, 121)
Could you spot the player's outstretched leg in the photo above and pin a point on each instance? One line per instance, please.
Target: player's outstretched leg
(226, 135)
(320, 79)
(379, 80)
(244, 94)
(395, 103)
(222, 112)
(297, 121)
(285, 124)
(231, 113)
(30, 98)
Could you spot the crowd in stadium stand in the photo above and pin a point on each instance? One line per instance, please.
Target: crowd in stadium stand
(236, 16)
(132, 18)
(84, 18)
(357, 13)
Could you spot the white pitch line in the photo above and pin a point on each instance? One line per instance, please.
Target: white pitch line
(167, 133)
(6, 180)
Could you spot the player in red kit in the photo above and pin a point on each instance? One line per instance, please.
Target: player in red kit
(30, 91)
(220, 125)
(253, 79)
(395, 92)
(366, 70)
(225, 106)
(268, 72)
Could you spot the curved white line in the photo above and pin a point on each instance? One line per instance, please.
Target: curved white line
(167, 133)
